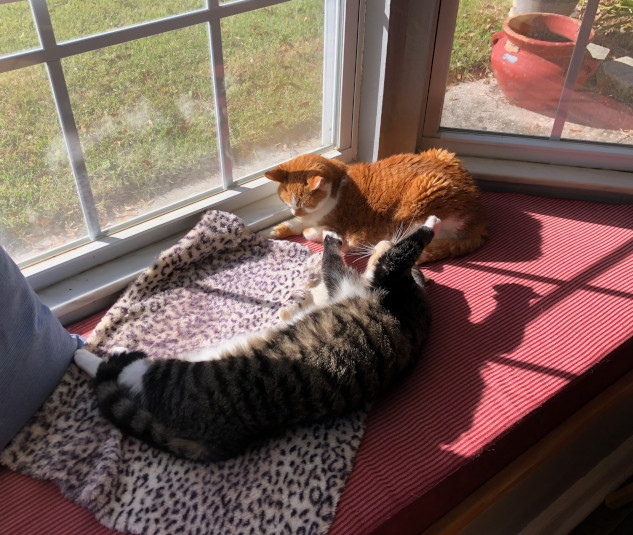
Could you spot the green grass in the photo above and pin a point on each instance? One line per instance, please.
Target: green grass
(19, 29)
(145, 109)
(477, 20)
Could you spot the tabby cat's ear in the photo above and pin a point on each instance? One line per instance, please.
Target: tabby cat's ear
(276, 174)
(315, 182)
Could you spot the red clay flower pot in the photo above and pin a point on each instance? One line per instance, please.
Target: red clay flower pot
(530, 58)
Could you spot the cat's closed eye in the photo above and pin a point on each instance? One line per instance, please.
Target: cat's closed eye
(294, 204)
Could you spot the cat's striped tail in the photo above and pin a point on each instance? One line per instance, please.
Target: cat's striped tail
(120, 408)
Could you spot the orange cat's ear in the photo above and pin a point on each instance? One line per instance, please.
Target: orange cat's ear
(315, 182)
(276, 174)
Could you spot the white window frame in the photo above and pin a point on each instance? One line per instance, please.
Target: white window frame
(73, 282)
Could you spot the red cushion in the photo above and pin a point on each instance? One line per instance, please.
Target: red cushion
(518, 327)
(525, 331)
(36, 507)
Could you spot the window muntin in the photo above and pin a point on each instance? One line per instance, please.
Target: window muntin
(73, 19)
(39, 207)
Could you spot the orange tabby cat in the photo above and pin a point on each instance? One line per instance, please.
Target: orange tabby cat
(366, 203)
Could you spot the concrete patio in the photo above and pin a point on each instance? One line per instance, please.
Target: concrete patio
(481, 105)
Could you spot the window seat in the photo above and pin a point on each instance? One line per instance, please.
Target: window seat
(526, 331)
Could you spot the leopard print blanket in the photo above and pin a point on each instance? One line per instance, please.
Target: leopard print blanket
(218, 280)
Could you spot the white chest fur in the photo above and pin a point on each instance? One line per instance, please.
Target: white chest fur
(324, 207)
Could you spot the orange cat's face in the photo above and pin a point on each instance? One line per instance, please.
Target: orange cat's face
(305, 182)
(303, 198)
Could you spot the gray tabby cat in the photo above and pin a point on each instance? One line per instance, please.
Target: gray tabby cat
(332, 357)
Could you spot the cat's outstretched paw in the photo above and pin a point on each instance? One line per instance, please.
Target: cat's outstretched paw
(283, 230)
(269, 233)
(330, 234)
(433, 222)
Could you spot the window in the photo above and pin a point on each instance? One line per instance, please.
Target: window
(246, 114)
(545, 88)
(121, 122)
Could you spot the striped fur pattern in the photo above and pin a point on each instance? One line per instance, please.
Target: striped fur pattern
(331, 358)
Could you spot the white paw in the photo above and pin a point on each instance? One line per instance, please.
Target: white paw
(268, 233)
(119, 350)
(315, 234)
(132, 376)
(433, 222)
(332, 234)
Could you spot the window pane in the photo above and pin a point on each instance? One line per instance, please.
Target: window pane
(145, 115)
(602, 109)
(17, 29)
(78, 18)
(39, 206)
(274, 80)
(474, 100)
(508, 68)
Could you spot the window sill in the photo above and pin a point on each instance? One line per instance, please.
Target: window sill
(533, 178)
(96, 288)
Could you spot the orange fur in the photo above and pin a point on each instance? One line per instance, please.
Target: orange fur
(375, 200)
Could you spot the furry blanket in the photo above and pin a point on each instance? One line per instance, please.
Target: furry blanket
(217, 281)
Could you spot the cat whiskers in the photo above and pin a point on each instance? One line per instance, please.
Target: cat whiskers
(401, 233)
(363, 250)
(397, 233)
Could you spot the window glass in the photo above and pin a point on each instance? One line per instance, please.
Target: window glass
(601, 109)
(274, 82)
(79, 18)
(39, 208)
(508, 67)
(17, 29)
(474, 100)
(146, 121)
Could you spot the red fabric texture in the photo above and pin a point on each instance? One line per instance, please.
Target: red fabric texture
(525, 331)
(87, 325)
(32, 507)
(514, 324)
